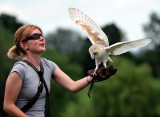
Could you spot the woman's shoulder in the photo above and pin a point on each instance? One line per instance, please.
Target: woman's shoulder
(20, 64)
(48, 63)
(20, 67)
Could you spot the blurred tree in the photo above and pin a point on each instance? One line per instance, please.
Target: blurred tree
(83, 106)
(131, 92)
(10, 23)
(113, 33)
(83, 57)
(6, 39)
(152, 57)
(152, 29)
(64, 41)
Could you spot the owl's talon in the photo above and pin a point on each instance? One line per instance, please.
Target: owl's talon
(94, 73)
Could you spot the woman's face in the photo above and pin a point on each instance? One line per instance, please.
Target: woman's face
(36, 45)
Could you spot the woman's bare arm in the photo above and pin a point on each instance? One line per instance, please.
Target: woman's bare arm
(12, 89)
(64, 80)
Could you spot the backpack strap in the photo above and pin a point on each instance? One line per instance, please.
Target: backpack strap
(40, 87)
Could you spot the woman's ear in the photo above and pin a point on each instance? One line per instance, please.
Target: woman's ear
(23, 45)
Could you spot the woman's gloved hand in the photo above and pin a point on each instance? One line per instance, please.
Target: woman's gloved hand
(102, 73)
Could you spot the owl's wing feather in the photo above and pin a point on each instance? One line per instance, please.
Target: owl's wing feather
(93, 31)
(122, 47)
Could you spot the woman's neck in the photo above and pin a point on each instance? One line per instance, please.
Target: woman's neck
(34, 59)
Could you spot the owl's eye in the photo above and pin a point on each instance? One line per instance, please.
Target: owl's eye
(95, 53)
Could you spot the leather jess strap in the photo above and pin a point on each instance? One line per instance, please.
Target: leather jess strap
(40, 87)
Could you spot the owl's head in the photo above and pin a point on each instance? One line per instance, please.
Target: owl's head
(96, 51)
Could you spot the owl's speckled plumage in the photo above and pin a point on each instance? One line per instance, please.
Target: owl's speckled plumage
(100, 49)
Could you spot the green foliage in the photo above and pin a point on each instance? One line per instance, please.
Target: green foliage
(5, 63)
(83, 57)
(10, 23)
(113, 33)
(131, 92)
(64, 41)
(152, 29)
(82, 107)
(72, 69)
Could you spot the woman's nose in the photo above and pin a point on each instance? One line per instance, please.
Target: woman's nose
(42, 38)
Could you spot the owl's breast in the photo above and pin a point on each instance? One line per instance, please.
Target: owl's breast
(104, 56)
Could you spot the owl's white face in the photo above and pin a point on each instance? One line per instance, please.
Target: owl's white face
(96, 51)
(95, 55)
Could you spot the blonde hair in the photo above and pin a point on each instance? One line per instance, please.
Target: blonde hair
(22, 33)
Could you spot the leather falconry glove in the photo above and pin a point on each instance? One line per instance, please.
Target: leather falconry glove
(101, 74)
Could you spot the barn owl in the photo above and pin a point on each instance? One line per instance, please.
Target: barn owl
(100, 49)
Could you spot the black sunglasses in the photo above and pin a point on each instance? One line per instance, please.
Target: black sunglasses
(35, 36)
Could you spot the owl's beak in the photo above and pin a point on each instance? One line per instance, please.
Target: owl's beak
(92, 56)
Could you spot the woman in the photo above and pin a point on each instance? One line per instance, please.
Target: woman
(22, 82)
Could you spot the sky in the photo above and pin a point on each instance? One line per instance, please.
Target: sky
(128, 15)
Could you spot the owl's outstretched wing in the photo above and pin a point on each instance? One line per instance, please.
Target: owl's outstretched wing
(122, 47)
(93, 31)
